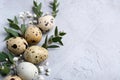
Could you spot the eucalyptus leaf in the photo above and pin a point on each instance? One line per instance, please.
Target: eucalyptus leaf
(54, 5)
(53, 46)
(14, 26)
(61, 43)
(62, 33)
(56, 39)
(15, 20)
(12, 32)
(2, 57)
(46, 39)
(23, 28)
(56, 31)
(39, 6)
(56, 11)
(10, 21)
(5, 71)
(8, 36)
(45, 43)
(50, 39)
(35, 3)
(57, 4)
(37, 9)
(10, 57)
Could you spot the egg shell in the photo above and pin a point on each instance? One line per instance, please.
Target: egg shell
(46, 23)
(35, 54)
(27, 71)
(10, 77)
(17, 45)
(33, 35)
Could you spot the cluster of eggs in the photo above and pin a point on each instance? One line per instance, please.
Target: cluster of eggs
(32, 54)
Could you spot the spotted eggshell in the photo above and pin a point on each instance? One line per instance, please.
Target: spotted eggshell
(27, 71)
(46, 23)
(10, 77)
(17, 45)
(35, 54)
(33, 35)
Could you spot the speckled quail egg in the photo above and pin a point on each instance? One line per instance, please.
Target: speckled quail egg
(35, 54)
(10, 77)
(33, 34)
(45, 23)
(17, 45)
(27, 71)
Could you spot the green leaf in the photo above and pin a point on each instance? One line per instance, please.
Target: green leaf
(5, 71)
(50, 40)
(23, 28)
(39, 6)
(12, 32)
(62, 33)
(54, 14)
(56, 31)
(35, 3)
(10, 57)
(51, 6)
(35, 10)
(15, 19)
(14, 26)
(61, 43)
(56, 11)
(57, 4)
(45, 43)
(53, 46)
(51, 3)
(2, 57)
(54, 5)
(56, 39)
(8, 36)
(10, 21)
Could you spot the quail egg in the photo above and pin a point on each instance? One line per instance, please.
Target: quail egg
(35, 54)
(33, 35)
(17, 45)
(10, 77)
(27, 71)
(45, 23)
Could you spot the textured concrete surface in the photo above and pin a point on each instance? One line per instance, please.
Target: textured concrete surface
(92, 43)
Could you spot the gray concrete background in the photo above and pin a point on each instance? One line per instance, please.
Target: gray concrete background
(92, 43)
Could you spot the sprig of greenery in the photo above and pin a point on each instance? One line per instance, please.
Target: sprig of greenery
(56, 38)
(37, 9)
(14, 29)
(54, 5)
(6, 60)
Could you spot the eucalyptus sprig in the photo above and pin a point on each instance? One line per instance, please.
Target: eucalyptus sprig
(56, 38)
(15, 30)
(6, 61)
(54, 6)
(37, 9)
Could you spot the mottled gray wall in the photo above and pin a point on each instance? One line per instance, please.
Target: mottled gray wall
(92, 43)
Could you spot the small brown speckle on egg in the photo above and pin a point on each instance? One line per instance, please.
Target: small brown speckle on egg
(12, 79)
(14, 46)
(33, 51)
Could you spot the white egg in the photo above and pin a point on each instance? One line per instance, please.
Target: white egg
(27, 71)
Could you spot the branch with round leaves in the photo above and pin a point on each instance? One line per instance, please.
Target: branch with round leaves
(54, 6)
(56, 38)
(15, 30)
